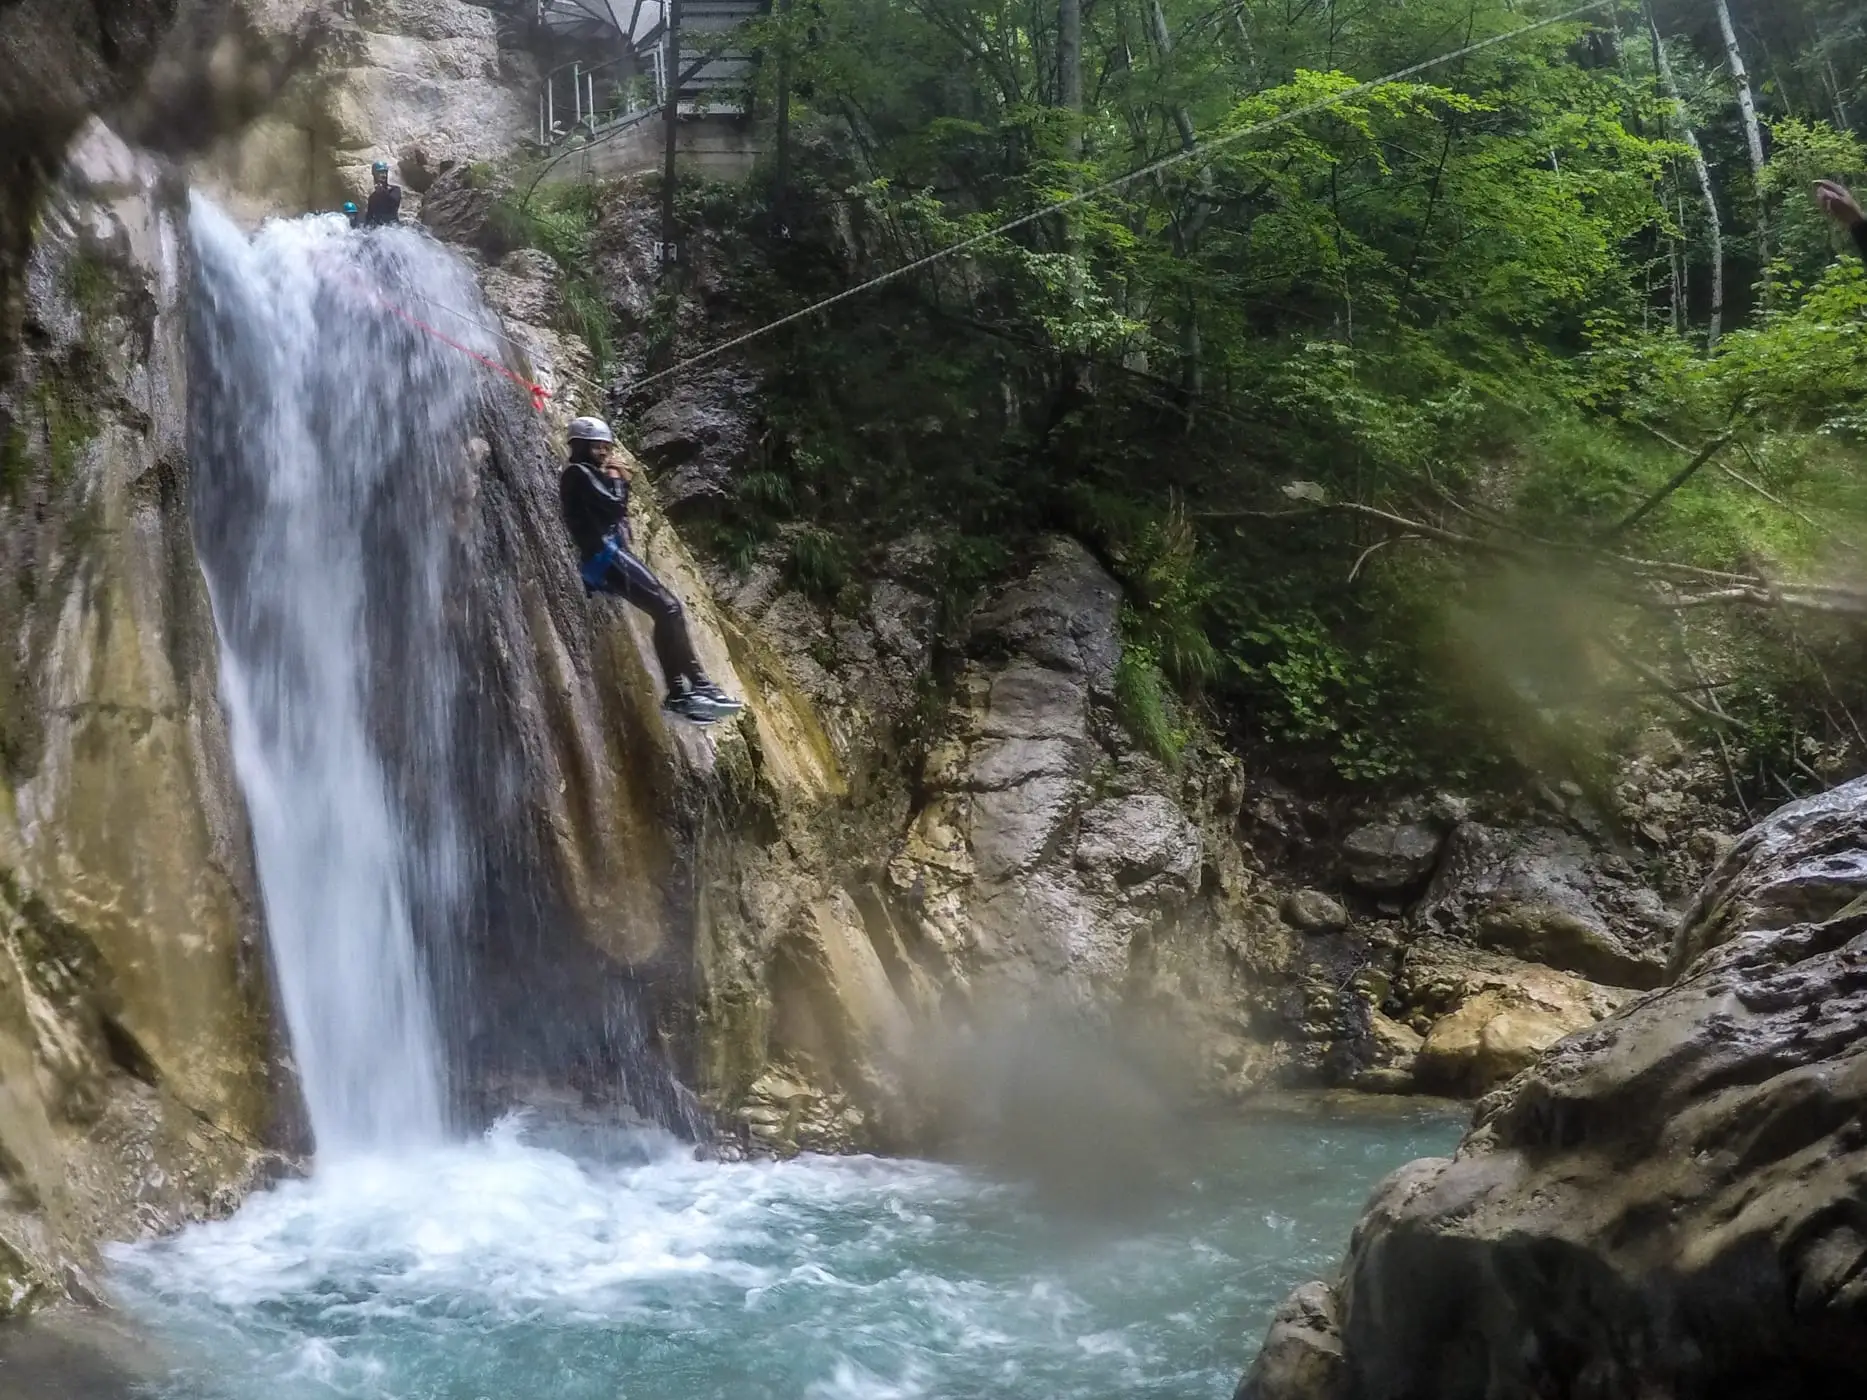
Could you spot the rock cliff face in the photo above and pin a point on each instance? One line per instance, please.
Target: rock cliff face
(1030, 854)
(134, 1043)
(1667, 1203)
(422, 84)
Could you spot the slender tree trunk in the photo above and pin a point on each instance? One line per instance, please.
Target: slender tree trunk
(1070, 71)
(1714, 225)
(1753, 135)
(1246, 49)
(1191, 346)
(1677, 250)
(1163, 39)
(1070, 99)
(1842, 120)
(781, 155)
(671, 116)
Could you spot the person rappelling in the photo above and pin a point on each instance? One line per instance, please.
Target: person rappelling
(385, 201)
(593, 490)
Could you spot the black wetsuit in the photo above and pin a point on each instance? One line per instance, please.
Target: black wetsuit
(1860, 236)
(596, 512)
(385, 206)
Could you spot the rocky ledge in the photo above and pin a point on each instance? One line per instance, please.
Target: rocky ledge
(1670, 1203)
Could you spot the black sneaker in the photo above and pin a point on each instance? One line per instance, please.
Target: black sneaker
(717, 698)
(691, 708)
(688, 700)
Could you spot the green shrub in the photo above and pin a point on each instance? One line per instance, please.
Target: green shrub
(1144, 700)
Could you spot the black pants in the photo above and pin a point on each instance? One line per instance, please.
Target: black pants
(616, 571)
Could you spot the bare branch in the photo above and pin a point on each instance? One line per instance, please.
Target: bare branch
(1679, 695)
(1678, 479)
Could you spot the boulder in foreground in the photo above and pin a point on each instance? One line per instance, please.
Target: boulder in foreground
(1670, 1203)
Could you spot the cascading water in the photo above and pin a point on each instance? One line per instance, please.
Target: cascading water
(330, 440)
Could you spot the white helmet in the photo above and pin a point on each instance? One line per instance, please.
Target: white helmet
(589, 429)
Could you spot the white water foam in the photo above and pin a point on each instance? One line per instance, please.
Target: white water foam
(506, 1269)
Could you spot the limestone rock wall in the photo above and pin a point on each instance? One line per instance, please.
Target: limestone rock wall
(135, 1051)
(422, 84)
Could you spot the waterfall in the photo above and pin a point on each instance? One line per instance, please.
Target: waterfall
(331, 471)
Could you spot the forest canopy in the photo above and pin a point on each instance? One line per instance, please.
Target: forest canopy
(1451, 427)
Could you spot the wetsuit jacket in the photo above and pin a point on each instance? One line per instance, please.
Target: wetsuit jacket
(385, 205)
(596, 507)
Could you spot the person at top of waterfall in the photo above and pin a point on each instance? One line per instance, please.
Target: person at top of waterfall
(385, 201)
(593, 490)
(1839, 203)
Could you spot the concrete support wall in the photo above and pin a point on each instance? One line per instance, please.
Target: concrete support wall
(713, 147)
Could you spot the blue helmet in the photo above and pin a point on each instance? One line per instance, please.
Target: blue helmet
(380, 169)
(350, 206)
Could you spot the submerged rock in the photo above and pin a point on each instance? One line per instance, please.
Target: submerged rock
(1666, 1203)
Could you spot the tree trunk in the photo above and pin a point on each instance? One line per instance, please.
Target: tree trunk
(1191, 347)
(1247, 51)
(1714, 225)
(1070, 70)
(1677, 252)
(781, 155)
(671, 115)
(1070, 99)
(1753, 136)
(1842, 120)
(1163, 39)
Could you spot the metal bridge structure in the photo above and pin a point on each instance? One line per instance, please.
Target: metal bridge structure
(616, 62)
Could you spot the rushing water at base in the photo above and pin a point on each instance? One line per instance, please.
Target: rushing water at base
(503, 1270)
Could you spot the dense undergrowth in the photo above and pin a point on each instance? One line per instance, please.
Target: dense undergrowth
(1380, 415)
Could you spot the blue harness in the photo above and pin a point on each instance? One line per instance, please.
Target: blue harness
(596, 567)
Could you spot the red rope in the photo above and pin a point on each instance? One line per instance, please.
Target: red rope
(539, 394)
(538, 391)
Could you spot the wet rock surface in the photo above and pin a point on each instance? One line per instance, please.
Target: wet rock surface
(1045, 845)
(1390, 859)
(1311, 911)
(1549, 896)
(1302, 1354)
(1664, 1203)
(698, 433)
(423, 84)
(1806, 863)
(136, 1061)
